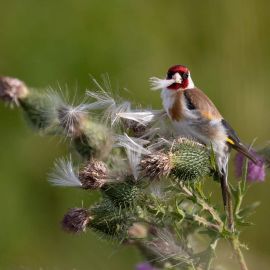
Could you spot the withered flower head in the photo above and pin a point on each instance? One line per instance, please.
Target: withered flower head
(137, 128)
(156, 165)
(12, 89)
(76, 220)
(94, 175)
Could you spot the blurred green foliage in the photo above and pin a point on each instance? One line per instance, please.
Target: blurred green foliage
(51, 43)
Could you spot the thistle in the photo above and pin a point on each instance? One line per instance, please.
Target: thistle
(76, 220)
(151, 186)
(94, 175)
(12, 90)
(187, 161)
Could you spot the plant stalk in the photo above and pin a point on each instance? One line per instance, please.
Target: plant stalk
(239, 254)
(230, 212)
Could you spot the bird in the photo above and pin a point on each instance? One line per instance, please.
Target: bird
(194, 115)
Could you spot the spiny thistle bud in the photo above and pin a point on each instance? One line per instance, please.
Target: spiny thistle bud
(122, 194)
(108, 220)
(12, 90)
(38, 110)
(94, 175)
(187, 161)
(190, 160)
(76, 220)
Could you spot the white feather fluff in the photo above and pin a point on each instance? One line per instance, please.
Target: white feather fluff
(142, 117)
(64, 174)
(105, 101)
(157, 83)
(134, 150)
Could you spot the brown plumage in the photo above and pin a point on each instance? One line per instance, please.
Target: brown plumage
(176, 111)
(202, 103)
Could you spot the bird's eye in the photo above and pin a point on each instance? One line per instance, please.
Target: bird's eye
(185, 76)
(169, 75)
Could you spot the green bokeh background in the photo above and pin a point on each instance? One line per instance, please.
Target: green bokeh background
(45, 43)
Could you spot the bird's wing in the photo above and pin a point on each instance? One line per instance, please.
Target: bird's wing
(197, 100)
(234, 141)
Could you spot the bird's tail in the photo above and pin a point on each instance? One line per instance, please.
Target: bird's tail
(245, 151)
(224, 189)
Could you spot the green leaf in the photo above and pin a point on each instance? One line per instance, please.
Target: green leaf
(249, 210)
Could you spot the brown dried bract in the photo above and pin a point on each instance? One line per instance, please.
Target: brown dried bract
(156, 165)
(94, 175)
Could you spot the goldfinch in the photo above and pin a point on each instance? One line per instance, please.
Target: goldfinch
(195, 116)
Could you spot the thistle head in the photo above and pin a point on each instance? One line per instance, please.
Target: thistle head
(123, 194)
(255, 172)
(76, 220)
(12, 90)
(187, 161)
(156, 165)
(94, 175)
(71, 119)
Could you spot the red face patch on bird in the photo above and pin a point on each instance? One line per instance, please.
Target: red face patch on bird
(184, 74)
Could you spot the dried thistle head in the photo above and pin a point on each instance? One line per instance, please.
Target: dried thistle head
(12, 90)
(94, 175)
(76, 220)
(164, 247)
(156, 165)
(137, 128)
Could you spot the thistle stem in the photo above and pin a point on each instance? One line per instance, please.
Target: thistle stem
(212, 255)
(239, 254)
(230, 213)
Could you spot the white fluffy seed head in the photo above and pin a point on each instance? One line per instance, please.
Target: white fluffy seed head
(72, 118)
(165, 246)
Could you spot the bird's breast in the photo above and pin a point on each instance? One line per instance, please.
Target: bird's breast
(173, 104)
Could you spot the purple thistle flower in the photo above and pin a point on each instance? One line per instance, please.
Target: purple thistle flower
(255, 172)
(145, 266)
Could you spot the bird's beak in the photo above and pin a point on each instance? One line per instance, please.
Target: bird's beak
(177, 78)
